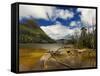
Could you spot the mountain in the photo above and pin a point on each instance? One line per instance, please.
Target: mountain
(65, 39)
(30, 32)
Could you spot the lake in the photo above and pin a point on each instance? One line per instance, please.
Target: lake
(48, 46)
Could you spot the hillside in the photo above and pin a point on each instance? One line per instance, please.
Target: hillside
(30, 32)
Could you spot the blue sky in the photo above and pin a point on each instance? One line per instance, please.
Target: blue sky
(58, 22)
(64, 22)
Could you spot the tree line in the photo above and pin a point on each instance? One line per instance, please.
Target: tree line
(85, 40)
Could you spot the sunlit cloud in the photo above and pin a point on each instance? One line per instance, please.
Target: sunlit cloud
(42, 12)
(88, 16)
(38, 12)
(64, 14)
(57, 31)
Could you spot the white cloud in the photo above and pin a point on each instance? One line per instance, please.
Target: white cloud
(73, 23)
(77, 24)
(64, 14)
(88, 15)
(57, 31)
(51, 12)
(35, 11)
(43, 12)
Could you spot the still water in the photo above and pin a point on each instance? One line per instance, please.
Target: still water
(49, 47)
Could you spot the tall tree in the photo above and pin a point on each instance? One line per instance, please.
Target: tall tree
(83, 37)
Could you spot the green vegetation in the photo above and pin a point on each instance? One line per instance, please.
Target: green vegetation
(85, 40)
(30, 32)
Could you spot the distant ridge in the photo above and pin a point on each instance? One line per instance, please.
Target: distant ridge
(30, 32)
